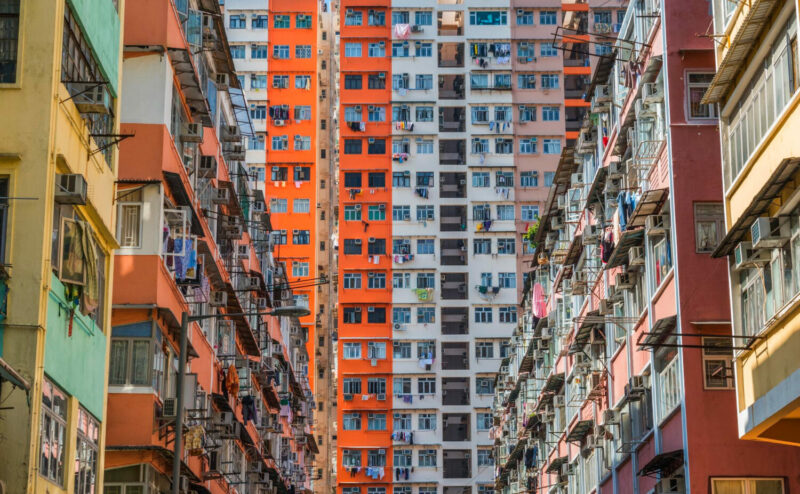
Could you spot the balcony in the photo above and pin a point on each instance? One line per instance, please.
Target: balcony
(455, 320)
(451, 55)
(456, 427)
(451, 87)
(453, 252)
(452, 151)
(455, 391)
(452, 119)
(450, 23)
(452, 218)
(455, 356)
(457, 464)
(452, 185)
(454, 286)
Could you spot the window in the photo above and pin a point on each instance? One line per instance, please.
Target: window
(52, 446)
(299, 269)
(303, 21)
(717, 363)
(424, 49)
(376, 212)
(423, 81)
(484, 385)
(301, 206)
(485, 458)
(130, 361)
(507, 280)
(747, 486)
(376, 81)
(376, 280)
(483, 314)
(351, 385)
(426, 280)
(526, 81)
(402, 457)
(697, 84)
(401, 349)
(351, 421)
(548, 17)
(529, 179)
(426, 315)
(482, 246)
(424, 114)
(486, 279)
(526, 49)
(352, 179)
(548, 178)
(376, 113)
(377, 315)
(401, 246)
(423, 18)
(400, 17)
(529, 212)
(551, 146)
(524, 17)
(484, 422)
(281, 22)
(352, 146)
(479, 81)
(281, 52)
(504, 349)
(505, 212)
(484, 349)
(351, 351)
(279, 237)
(352, 315)
(258, 112)
(376, 50)
(508, 314)
(376, 385)
(258, 81)
(351, 281)
(399, 81)
(549, 81)
(376, 458)
(352, 81)
(301, 237)
(376, 179)
(661, 260)
(504, 179)
(551, 113)
(376, 421)
(480, 114)
(258, 51)
(400, 49)
(302, 51)
(260, 21)
(86, 452)
(427, 458)
(353, 18)
(506, 246)
(401, 315)
(546, 49)
(237, 22)
(302, 112)
(481, 179)
(480, 145)
(425, 246)
(424, 146)
(238, 51)
(376, 18)
(424, 179)
(426, 385)
(376, 146)
(401, 213)
(488, 18)
(425, 213)
(351, 458)
(302, 82)
(481, 212)
(352, 50)
(709, 226)
(427, 421)
(129, 212)
(670, 388)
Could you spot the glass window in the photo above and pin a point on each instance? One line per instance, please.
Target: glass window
(260, 21)
(281, 22)
(548, 17)
(551, 146)
(427, 458)
(353, 18)
(351, 280)
(351, 421)
(86, 453)
(376, 421)
(237, 22)
(488, 18)
(524, 17)
(280, 52)
(427, 421)
(9, 37)
(351, 351)
(483, 314)
(352, 50)
(425, 246)
(423, 18)
(697, 85)
(401, 315)
(551, 113)
(53, 440)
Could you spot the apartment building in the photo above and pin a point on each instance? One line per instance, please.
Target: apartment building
(59, 89)
(204, 351)
(247, 28)
(452, 122)
(618, 378)
(755, 89)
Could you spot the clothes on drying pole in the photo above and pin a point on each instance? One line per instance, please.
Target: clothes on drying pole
(530, 456)
(223, 383)
(487, 225)
(232, 380)
(422, 192)
(249, 411)
(362, 126)
(402, 31)
(408, 398)
(354, 192)
(400, 157)
(424, 294)
(278, 112)
(607, 244)
(194, 440)
(375, 473)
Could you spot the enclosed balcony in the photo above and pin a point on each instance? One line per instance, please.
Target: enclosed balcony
(455, 356)
(454, 286)
(452, 218)
(450, 23)
(455, 320)
(452, 151)
(452, 119)
(452, 185)
(453, 252)
(457, 464)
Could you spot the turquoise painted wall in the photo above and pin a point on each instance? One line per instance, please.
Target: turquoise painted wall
(78, 362)
(100, 23)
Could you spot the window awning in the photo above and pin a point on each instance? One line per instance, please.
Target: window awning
(555, 464)
(602, 72)
(650, 203)
(185, 72)
(661, 330)
(580, 430)
(628, 239)
(747, 35)
(590, 328)
(758, 206)
(662, 464)
(595, 194)
(178, 191)
(527, 361)
(575, 249)
(554, 382)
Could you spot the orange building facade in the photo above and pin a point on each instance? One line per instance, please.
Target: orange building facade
(195, 242)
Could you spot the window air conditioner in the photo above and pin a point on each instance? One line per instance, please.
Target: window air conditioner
(576, 179)
(221, 195)
(656, 224)
(623, 281)
(70, 189)
(192, 132)
(218, 299)
(744, 256)
(170, 408)
(222, 82)
(610, 416)
(279, 123)
(765, 233)
(208, 166)
(230, 133)
(558, 401)
(636, 256)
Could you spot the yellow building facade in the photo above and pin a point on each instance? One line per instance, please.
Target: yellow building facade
(756, 88)
(59, 87)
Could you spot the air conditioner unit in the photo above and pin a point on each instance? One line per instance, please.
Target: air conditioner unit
(218, 299)
(610, 416)
(381, 397)
(357, 241)
(70, 189)
(562, 201)
(636, 386)
(590, 234)
(656, 224)
(415, 28)
(566, 469)
(91, 97)
(279, 123)
(170, 408)
(616, 169)
(556, 222)
(231, 133)
(371, 240)
(192, 132)
(604, 307)
(558, 401)
(370, 309)
(357, 207)
(766, 232)
(547, 333)
(651, 93)
(636, 256)
(222, 82)
(221, 195)
(348, 397)
(623, 281)
(208, 166)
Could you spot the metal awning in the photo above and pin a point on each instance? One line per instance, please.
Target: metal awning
(9, 374)
(516, 454)
(527, 361)
(601, 74)
(185, 72)
(662, 464)
(747, 35)
(758, 206)
(661, 329)
(628, 239)
(512, 396)
(581, 429)
(175, 185)
(592, 320)
(555, 464)
(566, 166)
(650, 203)
(575, 249)
(595, 194)
(553, 383)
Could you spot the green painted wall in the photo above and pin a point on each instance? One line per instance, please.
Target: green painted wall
(78, 362)
(100, 23)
